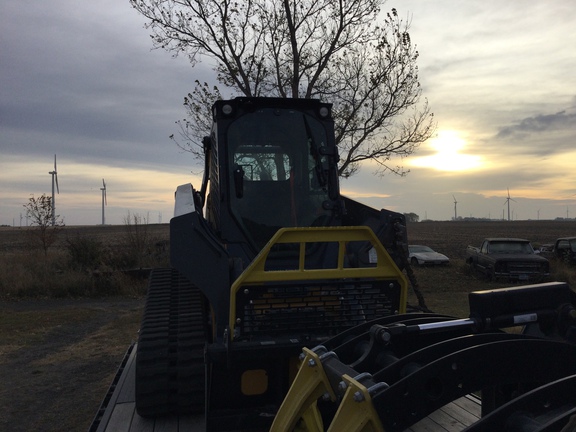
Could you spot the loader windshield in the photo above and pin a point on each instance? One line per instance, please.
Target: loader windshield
(278, 174)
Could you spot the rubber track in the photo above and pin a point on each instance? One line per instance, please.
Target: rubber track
(170, 377)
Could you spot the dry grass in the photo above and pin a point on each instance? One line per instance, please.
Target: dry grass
(83, 262)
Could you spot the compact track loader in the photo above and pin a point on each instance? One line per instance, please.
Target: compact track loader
(267, 259)
(284, 308)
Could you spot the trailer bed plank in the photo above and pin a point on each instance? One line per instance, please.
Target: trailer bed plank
(166, 424)
(440, 420)
(458, 413)
(469, 403)
(127, 392)
(453, 417)
(110, 416)
(121, 415)
(121, 418)
(139, 424)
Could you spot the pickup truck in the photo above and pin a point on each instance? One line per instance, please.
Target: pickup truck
(508, 258)
(565, 249)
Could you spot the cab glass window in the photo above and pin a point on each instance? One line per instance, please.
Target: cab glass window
(278, 172)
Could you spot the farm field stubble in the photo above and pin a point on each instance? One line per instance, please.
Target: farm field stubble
(57, 356)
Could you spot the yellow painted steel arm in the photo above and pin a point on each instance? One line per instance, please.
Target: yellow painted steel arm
(356, 412)
(299, 407)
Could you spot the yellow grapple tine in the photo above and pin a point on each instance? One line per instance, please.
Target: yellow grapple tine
(310, 384)
(356, 412)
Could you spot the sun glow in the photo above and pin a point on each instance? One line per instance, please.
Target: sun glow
(448, 146)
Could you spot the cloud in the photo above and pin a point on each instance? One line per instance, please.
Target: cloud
(559, 121)
(84, 84)
(80, 79)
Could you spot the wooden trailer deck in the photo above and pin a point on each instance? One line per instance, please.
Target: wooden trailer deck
(118, 411)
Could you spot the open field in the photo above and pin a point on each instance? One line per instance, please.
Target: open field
(57, 356)
(451, 238)
(14, 239)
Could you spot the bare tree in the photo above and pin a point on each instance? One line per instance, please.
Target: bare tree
(46, 225)
(344, 52)
(198, 122)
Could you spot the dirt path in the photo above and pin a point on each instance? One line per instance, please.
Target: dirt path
(58, 357)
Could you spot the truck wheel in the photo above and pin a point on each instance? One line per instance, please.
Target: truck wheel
(170, 353)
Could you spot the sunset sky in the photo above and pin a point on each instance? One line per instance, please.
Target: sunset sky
(80, 80)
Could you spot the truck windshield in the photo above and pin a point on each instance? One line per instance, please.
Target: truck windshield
(568, 244)
(511, 247)
(278, 172)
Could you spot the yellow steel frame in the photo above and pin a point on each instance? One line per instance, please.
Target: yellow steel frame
(299, 410)
(356, 414)
(384, 267)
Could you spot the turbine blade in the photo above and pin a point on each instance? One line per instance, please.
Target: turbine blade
(56, 176)
(54, 162)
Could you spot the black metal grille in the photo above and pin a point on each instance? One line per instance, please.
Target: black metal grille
(311, 310)
(520, 267)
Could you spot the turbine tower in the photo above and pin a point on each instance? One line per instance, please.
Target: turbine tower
(455, 212)
(54, 175)
(104, 201)
(508, 202)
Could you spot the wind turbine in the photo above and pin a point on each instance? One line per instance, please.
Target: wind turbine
(54, 180)
(455, 212)
(104, 201)
(508, 202)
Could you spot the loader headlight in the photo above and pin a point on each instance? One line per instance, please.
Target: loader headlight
(324, 112)
(227, 109)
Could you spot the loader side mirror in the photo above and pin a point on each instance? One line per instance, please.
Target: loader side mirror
(239, 181)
